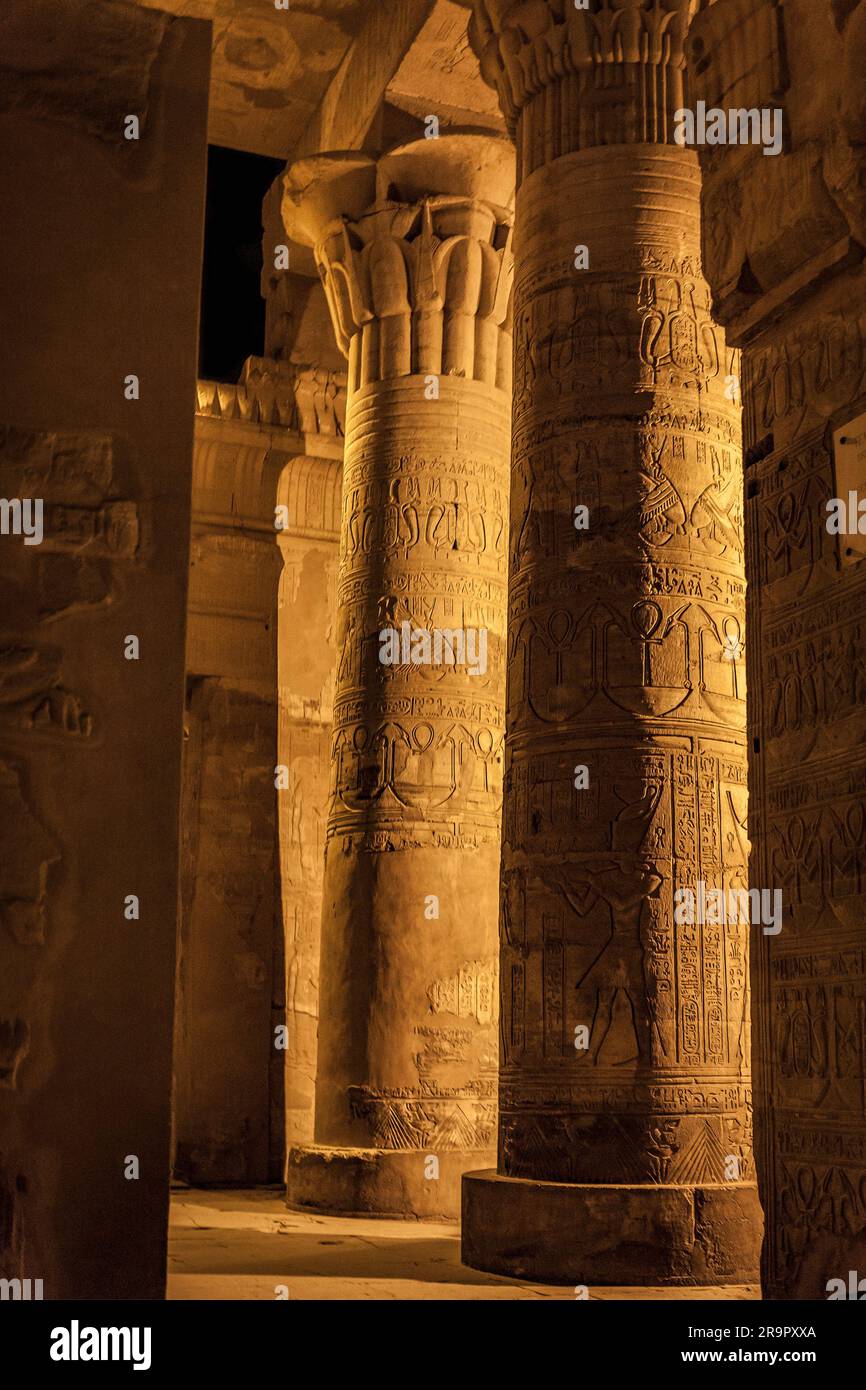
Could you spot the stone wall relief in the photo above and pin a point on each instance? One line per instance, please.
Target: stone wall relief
(88, 533)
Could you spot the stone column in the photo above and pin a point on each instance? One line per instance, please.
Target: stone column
(414, 254)
(624, 1142)
(783, 243)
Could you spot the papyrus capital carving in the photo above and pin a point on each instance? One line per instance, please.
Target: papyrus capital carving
(414, 251)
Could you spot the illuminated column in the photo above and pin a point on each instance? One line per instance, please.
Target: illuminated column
(414, 253)
(624, 1144)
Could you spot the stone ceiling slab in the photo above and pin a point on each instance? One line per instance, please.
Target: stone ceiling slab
(271, 67)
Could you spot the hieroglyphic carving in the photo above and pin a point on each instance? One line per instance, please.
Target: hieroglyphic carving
(32, 697)
(89, 528)
(629, 629)
(818, 1032)
(593, 927)
(428, 520)
(793, 380)
(783, 253)
(773, 225)
(88, 532)
(470, 993)
(433, 1123)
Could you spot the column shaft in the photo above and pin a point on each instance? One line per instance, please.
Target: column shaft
(625, 1033)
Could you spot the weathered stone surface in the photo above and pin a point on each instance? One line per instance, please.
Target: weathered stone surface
(270, 67)
(302, 399)
(313, 76)
(353, 481)
(377, 1181)
(83, 64)
(414, 258)
(784, 243)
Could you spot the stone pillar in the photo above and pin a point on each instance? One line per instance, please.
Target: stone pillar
(257, 762)
(307, 664)
(415, 258)
(624, 1141)
(783, 249)
(228, 1078)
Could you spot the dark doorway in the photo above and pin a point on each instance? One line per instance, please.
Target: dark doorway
(232, 309)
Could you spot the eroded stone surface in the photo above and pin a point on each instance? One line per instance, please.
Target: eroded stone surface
(624, 653)
(81, 64)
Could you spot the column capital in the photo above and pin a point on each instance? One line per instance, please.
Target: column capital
(414, 251)
(621, 61)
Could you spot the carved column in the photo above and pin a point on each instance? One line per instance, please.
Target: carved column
(414, 254)
(624, 1142)
(784, 241)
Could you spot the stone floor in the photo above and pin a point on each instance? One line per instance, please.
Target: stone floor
(243, 1244)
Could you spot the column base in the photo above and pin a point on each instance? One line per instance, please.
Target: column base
(574, 1233)
(379, 1182)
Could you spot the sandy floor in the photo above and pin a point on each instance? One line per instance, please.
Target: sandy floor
(231, 1245)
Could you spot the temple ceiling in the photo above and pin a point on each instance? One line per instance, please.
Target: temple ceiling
(275, 71)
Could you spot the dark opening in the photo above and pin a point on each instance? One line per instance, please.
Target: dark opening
(232, 308)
